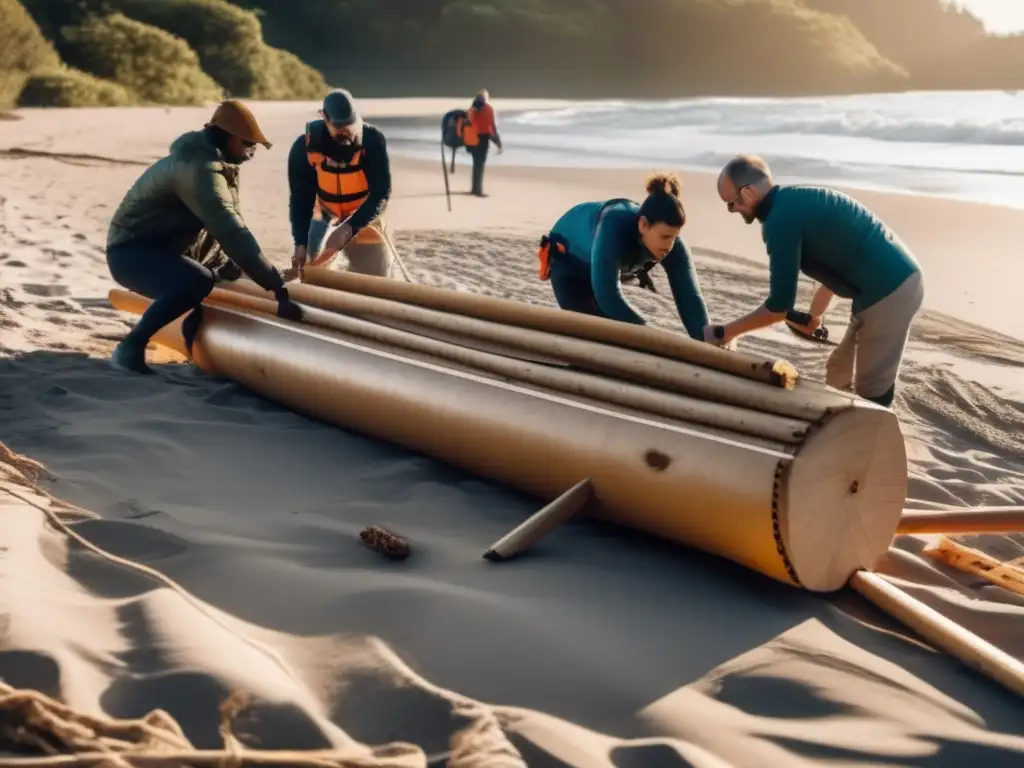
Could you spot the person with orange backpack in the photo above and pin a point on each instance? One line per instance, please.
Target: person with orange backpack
(339, 176)
(478, 131)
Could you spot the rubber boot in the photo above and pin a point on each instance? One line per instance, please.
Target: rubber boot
(130, 357)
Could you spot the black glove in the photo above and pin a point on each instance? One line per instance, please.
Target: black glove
(286, 308)
(227, 272)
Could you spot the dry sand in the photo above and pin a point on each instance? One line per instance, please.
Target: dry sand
(597, 649)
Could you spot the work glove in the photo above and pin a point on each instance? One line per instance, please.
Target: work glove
(286, 308)
(227, 272)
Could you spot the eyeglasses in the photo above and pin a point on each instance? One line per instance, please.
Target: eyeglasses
(739, 194)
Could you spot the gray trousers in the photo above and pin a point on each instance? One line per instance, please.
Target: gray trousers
(368, 252)
(867, 360)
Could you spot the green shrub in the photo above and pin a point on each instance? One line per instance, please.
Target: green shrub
(155, 64)
(22, 45)
(72, 88)
(23, 49)
(229, 43)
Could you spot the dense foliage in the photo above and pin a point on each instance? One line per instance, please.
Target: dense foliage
(155, 65)
(163, 51)
(23, 50)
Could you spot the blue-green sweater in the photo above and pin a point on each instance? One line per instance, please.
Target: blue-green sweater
(833, 239)
(602, 251)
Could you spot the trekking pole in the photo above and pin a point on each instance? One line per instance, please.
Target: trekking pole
(444, 170)
(394, 252)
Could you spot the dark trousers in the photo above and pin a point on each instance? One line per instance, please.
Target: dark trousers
(174, 282)
(479, 155)
(573, 292)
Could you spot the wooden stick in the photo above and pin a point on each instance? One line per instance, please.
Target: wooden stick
(779, 373)
(969, 560)
(529, 533)
(942, 632)
(972, 520)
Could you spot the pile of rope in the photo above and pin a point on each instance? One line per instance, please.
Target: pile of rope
(33, 721)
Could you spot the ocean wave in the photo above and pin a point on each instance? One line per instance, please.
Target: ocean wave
(986, 118)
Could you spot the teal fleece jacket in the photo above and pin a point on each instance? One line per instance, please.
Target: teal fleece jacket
(833, 239)
(603, 249)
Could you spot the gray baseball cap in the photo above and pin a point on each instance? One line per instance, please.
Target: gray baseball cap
(339, 109)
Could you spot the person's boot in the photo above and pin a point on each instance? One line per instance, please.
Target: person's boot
(130, 357)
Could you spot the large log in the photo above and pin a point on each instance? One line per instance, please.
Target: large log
(810, 515)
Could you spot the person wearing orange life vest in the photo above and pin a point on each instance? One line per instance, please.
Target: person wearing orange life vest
(339, 177)
(477, 135)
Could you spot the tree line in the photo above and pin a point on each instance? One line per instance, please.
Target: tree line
(67, 52)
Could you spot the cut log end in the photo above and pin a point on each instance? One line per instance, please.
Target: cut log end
(841, 498)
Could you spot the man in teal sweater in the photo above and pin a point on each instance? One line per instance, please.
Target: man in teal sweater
(835, 240)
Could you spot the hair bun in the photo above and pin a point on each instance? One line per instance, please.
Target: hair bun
(664, 183)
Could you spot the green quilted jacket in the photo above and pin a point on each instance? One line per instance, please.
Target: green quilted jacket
(189, 200)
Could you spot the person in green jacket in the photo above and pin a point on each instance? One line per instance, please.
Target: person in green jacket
(596, 245)
(179, 229)
(837, 241)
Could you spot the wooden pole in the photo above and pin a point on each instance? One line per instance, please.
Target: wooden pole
(529, 533)
(744, 421)
(777, 372)
(688, 378)
(959, 521)
(941, 631)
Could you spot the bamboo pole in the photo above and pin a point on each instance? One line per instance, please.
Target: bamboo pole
(970, 560)
(528, 534)
(941, 631)
(689, 409)
(674, 375)
(962, 521)
(779, 373)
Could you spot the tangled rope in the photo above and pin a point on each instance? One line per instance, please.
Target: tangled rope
(32, 720)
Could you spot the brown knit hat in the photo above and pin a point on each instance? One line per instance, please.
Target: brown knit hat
(235, 118)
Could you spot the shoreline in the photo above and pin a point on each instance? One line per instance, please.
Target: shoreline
(968, 249)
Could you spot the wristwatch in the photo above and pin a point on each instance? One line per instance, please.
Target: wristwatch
(719, 332)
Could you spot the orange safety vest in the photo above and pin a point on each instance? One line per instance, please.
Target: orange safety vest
(340, 187)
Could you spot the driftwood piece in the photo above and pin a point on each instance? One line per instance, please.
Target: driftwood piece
(389, 544)
(970, 560)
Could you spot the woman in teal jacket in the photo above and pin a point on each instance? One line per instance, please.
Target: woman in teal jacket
(595, 245)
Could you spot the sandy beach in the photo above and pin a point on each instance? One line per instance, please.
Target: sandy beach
(599, 649)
